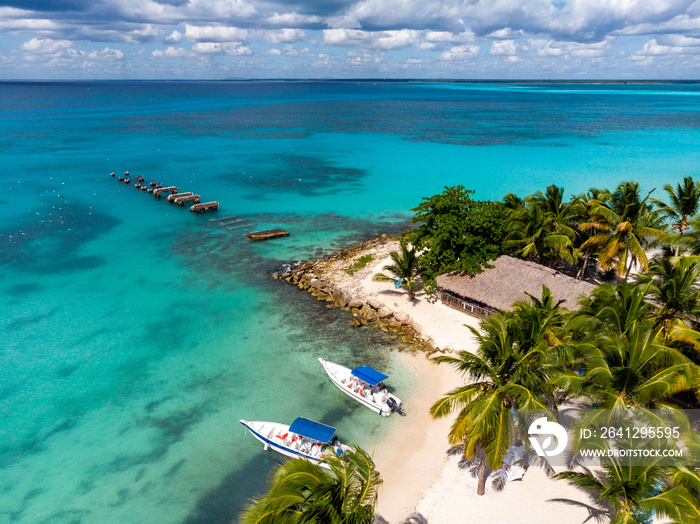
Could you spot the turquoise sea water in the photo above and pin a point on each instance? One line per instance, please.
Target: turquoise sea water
(135, 335)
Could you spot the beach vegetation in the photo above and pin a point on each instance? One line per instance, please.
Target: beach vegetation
(635, 370)
(456, 233)
(540, 228)
(405, 269)
(359, 264)
(303, 492)
(637, 494)
(589, 237)
(683, 202)
(630, 227)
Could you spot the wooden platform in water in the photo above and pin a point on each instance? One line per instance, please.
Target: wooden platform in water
(169, 189)
(268, 234)
(180, 201)
(173, 196)
(204, 207)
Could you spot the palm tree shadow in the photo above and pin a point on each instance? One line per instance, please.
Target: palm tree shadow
(595, 513)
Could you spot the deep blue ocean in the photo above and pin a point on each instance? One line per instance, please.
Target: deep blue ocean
(135, 335)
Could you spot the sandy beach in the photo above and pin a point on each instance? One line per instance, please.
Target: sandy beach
(420, 479)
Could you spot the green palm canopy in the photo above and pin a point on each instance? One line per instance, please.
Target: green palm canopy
(302, 492)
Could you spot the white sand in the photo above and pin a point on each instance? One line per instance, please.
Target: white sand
(418, 475)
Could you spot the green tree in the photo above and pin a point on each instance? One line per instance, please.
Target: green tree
(629, 225)
(503, 376)
(684, 202)
(674, 285)
(634, 493)
(456, 233)
(590, 235)
(406, 269)
(614, 308)
(302, 492)
(540, 229)
(636, 369)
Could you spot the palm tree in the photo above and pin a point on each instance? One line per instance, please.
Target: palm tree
(674, 285)
(684, 203)
(405, 269)
(614, 308)
(634, 493)
(631, 370)
(542, 323)
(504, 376)
(302, 492)
(629, 225)
(536, 234)
(591, 232)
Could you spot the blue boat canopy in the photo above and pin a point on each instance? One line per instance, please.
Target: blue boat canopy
(313, 430)
(369, 375)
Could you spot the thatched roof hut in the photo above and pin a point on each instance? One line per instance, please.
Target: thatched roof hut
(509, 280)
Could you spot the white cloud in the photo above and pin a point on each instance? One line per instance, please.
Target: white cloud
(273, 52)
(215, 33)
(545, 48)
(169, 52)
(46, 45)
(398, 14)
(218, 48)
(394, 39)
(174, 38)
(364, 56)
(504, 47)
(654, 48)
(293, 19)
(462, 52)
(106, 54)
(216, 9)
(281, 36)
(144, 34)
(291, 51)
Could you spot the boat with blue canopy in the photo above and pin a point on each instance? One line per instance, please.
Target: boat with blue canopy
(364, 384)
(304, 438)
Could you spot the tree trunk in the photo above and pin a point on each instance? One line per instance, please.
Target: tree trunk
(481, 488)
(582, 271)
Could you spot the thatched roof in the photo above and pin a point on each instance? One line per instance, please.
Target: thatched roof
(509, 280)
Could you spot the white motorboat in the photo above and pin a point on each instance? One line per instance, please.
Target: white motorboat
(305, 438)
(364, 384)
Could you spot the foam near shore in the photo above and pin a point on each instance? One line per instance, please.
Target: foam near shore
(420, 479)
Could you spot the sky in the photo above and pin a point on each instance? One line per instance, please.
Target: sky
(442, 39)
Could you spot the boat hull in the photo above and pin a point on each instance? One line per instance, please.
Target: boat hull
(268, 433)
(338, 374)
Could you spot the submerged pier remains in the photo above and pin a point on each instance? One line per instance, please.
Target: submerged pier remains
(174, 197)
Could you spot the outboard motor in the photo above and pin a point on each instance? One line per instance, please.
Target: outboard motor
(394, 406)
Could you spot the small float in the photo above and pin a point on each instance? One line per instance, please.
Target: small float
(364, 384)
(304, 439)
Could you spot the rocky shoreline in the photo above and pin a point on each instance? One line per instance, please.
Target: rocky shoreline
(320, 278)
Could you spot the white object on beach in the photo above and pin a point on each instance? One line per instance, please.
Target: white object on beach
(364, 384)
(304, 438)
(516, 474)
